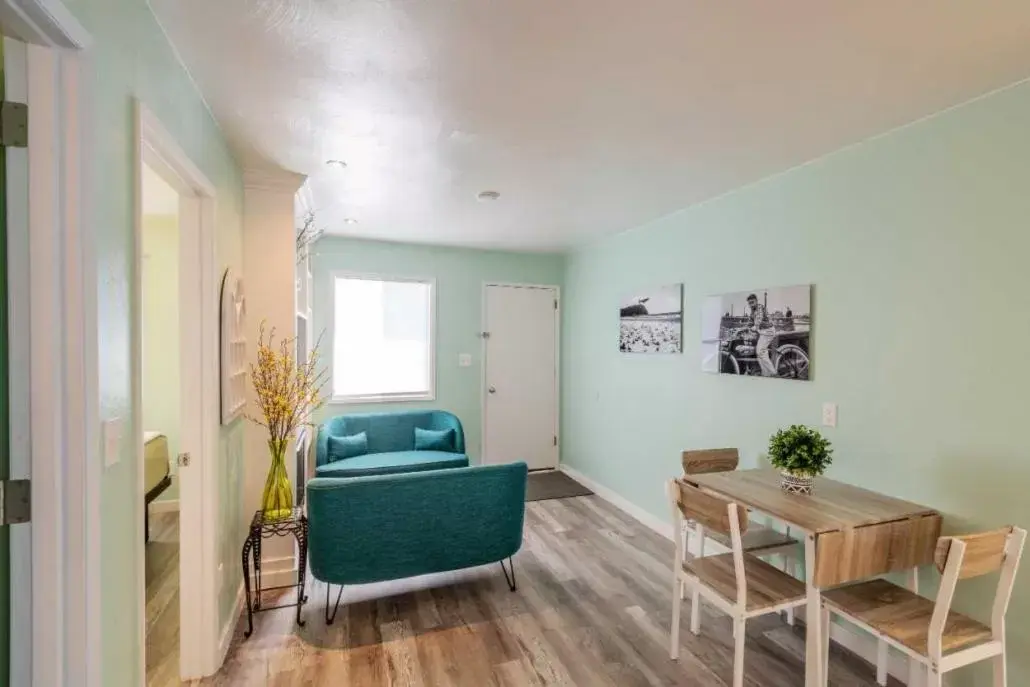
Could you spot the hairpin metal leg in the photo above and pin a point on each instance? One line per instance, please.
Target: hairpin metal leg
(510, 579)
(330, 618)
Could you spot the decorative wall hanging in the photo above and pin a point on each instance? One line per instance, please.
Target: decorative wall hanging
(761, 333)
(233, 349)
(652, 321)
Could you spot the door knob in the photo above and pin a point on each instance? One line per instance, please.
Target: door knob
(492, 390)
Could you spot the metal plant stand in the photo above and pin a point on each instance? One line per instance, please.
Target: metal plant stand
(295, 524)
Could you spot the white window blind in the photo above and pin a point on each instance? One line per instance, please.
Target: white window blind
(382, 339)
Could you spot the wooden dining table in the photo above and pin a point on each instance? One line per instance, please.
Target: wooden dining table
(850, 534)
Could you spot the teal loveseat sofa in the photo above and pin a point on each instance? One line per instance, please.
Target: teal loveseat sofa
(386, 527)
(389, 443)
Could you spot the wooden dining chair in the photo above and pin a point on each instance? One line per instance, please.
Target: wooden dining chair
(929, 631)
(758, 540)
(739, 583)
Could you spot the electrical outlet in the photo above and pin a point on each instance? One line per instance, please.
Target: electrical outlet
(829, 414)
(464, 360)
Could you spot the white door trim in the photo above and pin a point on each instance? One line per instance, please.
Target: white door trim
(557, 363)
(198, 554)
(57, 282)
(43, 22)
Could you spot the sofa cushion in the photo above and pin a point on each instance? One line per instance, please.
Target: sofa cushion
(387, 432)
(434, 440)
(390, 463)
(348, 446)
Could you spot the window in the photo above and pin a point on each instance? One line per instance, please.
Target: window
(382, 339)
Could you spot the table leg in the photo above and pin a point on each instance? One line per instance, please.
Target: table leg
(814, 669)
(302, 565)
(247, 546)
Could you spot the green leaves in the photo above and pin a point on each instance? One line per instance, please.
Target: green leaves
(800, 450)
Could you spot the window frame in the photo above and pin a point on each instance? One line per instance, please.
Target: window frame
(406, 397)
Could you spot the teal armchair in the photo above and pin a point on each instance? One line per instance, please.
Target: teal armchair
(391, 443)
(385, 527)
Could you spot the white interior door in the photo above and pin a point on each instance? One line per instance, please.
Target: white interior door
(521, 373)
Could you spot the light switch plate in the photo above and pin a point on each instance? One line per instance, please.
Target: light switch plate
(112, 437)
(829, 414)
(464, 360)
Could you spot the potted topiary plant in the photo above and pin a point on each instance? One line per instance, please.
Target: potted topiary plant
(800, 454)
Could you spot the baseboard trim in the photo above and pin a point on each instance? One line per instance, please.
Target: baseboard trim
(859, 644)
(164, 506)
(278, 572)
(230, 629)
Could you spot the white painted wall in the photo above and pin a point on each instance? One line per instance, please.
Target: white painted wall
(269, 263)
(161, 384)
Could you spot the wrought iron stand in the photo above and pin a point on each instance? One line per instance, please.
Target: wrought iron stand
(297, 525)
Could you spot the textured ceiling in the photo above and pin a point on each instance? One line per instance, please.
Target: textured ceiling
(588, 116)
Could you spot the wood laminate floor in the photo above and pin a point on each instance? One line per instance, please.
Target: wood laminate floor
(592, 610)
(162, 571)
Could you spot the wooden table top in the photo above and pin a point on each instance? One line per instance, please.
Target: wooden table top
(832, 506)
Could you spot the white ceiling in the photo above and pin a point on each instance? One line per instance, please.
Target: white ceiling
(588, 116)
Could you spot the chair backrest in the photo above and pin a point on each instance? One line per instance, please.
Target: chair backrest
(710, 460)
(984, 552)
(971, 556)
(707, 510)
(385, 527)
(712, 512)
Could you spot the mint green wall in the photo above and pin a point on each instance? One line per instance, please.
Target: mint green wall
(132, 59)
(161, 398)
(460, 274)
(917, 242)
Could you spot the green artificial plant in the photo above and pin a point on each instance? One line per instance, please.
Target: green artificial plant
(800, 451)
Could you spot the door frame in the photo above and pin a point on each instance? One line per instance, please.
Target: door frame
(557, 363)
(55, 280)
(199, 653)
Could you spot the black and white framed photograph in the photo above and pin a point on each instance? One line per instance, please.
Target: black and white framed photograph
(651, 321)
(760, 333)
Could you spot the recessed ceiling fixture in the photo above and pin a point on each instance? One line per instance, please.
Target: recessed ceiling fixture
(336, 163)
(488, 195)
(350, 220)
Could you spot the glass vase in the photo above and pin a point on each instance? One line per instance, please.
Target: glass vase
(277, 499)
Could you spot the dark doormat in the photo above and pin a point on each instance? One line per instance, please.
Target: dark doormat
(553, 485)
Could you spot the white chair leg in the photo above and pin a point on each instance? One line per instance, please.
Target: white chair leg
(918, 673)
(695, 611)
(788, 564)
(1000, 671)
(825, 647)
(933, 678)
(740, 634)
(677, 604)
(881, 663)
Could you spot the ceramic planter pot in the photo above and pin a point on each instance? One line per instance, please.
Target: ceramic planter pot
(793, 483)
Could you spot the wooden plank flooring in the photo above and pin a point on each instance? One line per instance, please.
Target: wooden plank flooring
(162, 571)
(592, 610)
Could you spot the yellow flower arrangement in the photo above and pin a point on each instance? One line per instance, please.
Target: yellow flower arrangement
(288, 394)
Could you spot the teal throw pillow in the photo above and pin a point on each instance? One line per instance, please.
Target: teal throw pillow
(350, 446)
(434, 440)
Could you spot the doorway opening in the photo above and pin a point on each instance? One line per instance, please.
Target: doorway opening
(161, 422)
(175, 391)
